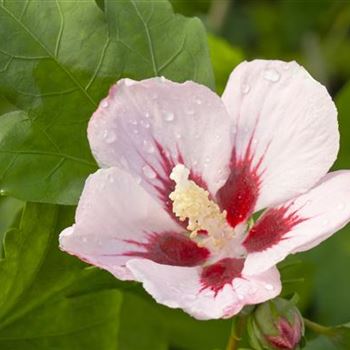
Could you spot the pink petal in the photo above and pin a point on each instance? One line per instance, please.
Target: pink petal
(183, 287)
(148, 127)
(287, 135)
(115, 218)
(299, 224)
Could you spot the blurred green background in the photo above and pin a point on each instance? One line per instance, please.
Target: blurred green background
(315, 33)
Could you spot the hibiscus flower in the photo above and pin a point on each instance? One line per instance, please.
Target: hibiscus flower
(183, 171)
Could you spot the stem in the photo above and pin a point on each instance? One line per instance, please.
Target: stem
(237, 329)
(217, 14)
(317, 328)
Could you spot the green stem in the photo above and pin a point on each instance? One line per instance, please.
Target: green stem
(317, 328)
(217, 14)
(237, 329)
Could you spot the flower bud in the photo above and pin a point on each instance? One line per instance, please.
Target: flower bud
(276, 325)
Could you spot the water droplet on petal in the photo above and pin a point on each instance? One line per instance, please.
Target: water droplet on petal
(169, 116)
(340, 206)
(135, 131)
(104, 104)
(190, 112)
(252, 290)
(84, 239)
(129, 82)
(269, 287)
(178, 135)
(147, 115)
(245, 88)
(148, 146)
(286, 66)
(198, 101)
(149, 172)
(138, 180)
(133, 122)
(145, 124)
(109, 136)
(110, 178)
(271, 75)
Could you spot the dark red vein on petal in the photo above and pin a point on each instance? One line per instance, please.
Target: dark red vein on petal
(271, 228)
(223, 272)
(170, 248)
(239, 194)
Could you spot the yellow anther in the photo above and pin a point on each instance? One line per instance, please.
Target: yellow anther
(192, 202)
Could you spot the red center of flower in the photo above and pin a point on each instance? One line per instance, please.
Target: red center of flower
(223, 272)
(170, 248)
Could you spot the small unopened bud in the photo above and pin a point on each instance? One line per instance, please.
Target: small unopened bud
(276, 325)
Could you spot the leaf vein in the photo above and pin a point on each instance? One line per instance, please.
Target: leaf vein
(149, 39)
(68, 73)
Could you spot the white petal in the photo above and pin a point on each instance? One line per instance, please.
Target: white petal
(148, 127)
(289, 122)
(322, 211)
(181, 287)
(113, 210)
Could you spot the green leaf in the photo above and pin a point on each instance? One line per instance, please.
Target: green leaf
(337, 337)
(58, 59)
(159, 327)
(224, 58)
(341, 336)
(10, 210)
(140, 325)
(41, 303)
(320, 343)
(5, 106)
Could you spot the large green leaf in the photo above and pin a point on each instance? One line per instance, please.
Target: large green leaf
(42, 304)
(58, 59)
(146, 325)
(5, 106)
(10, 210)
(337, 337)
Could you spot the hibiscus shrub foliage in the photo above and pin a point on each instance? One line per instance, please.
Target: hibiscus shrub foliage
(58, 61)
